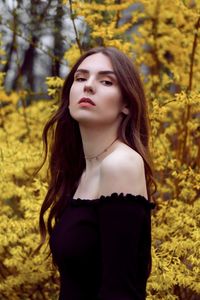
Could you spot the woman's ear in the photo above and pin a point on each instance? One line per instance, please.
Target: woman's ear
(125, 110)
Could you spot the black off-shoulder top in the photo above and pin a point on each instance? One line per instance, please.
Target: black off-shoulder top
(102, 248)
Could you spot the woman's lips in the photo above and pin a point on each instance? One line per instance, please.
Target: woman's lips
(86, 100)
(85, 104)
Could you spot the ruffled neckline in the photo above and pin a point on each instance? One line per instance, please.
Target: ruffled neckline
(114, 197)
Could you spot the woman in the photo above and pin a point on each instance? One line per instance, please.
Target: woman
(100, 178)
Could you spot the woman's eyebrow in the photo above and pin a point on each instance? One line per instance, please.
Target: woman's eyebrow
(103, 72)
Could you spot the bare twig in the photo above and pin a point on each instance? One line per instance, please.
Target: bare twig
(44, 13)
(74, 25)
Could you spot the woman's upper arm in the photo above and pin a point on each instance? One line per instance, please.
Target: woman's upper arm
(125, 247)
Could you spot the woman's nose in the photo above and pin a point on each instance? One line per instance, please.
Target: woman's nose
(89, 86)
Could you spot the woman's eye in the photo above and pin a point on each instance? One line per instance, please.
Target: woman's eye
(107, 82)
(79, 79)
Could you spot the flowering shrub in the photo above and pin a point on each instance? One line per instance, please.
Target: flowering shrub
(162, 38)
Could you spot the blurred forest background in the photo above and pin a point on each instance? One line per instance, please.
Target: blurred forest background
(39, 41)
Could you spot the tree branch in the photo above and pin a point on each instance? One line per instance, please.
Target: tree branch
(194, 46)
(118, 14)
(155, 70)
(36, 46)
(189, 88)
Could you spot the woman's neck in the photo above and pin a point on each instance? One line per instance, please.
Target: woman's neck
(97, 144)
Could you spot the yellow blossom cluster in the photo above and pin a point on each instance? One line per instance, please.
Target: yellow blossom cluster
(170, 33)
(103, 21)
(54, 85)
(72, 54)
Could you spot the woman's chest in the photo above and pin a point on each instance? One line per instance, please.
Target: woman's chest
(88, 186)
(76, 235)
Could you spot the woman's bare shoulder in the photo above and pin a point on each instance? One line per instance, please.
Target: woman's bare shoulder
(123, 171)
(122, 154)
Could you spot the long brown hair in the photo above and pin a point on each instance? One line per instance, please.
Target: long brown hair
(64, 147)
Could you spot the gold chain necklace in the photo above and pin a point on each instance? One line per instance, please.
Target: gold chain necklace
(96, 156)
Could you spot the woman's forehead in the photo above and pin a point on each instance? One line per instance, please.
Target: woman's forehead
(96, 62)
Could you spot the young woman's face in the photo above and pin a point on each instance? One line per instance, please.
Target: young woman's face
(95, 80)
